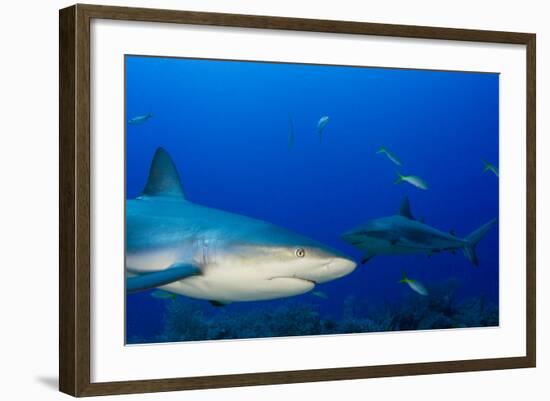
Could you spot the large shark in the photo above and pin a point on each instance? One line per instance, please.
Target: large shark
(200, 252)
(403, 234)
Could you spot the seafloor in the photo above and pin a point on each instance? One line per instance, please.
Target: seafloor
(186, 319)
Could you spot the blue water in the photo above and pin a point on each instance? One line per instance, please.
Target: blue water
(226, 125)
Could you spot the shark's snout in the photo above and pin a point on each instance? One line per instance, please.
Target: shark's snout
(334, 268)
(348, 236)
(353, 237)
(341, 266)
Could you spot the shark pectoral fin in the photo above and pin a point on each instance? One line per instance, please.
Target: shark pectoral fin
(160, 294)
(366, 257)
(175, 272)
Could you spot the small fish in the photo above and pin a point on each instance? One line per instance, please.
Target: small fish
(490, 167)
(290, 132)
(159, 294)
(413, 180)
(416, 286)
(140, 119)
(323, 121)
(390, 155)
(320, 294)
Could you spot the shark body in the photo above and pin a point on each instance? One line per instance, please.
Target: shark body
(402, 234)
(205, 253)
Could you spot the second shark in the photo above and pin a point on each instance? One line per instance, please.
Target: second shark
(402, 234)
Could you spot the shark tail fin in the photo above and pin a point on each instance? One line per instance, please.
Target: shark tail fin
(163, 177)
(404, 279)
(381, 150)
(473, 239)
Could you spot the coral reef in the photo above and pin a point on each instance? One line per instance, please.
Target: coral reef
(188, 320)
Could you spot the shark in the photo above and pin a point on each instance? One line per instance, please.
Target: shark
(402, 234)
(184, 248)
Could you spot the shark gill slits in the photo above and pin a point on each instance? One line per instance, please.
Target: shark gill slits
(300, 252)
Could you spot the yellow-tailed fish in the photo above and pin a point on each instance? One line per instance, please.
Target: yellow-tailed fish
(413, 180)
(490, 167)
(140, 119)
(319, 294)
(414, 285)
(323, 121)
(389, 155)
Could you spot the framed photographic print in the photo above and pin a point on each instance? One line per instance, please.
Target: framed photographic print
(251, 200)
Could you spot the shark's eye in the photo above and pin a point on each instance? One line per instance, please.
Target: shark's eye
(300, 252)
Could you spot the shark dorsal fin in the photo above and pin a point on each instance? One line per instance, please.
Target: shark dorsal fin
(405, 209)
(163, 177)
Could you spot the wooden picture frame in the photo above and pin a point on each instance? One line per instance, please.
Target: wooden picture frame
(74, 199)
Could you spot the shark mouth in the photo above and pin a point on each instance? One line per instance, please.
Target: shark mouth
(295, 278)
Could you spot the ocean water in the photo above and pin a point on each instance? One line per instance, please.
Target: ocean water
(226, 126)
